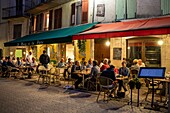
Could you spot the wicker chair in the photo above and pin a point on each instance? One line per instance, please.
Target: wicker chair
(107, 86)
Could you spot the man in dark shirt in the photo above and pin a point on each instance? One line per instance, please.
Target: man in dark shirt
(109, 72)
(44, 59)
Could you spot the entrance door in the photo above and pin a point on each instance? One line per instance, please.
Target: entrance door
(101, 50)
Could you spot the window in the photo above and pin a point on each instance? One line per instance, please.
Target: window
(125, 9)
(78, 12)
(84, 11)
(147, 49)
(39, 22)
(46, 22)
(165, 7)
(72, 14)
(17, 31)
(58, 18)
(50, 19)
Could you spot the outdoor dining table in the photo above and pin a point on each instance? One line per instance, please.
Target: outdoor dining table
(167, 86)
(82, 74)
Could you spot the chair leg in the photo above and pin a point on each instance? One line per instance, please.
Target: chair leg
(146, 96)
(98, 96)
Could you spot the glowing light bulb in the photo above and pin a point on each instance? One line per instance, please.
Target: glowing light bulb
(107, 43)
(160, 42)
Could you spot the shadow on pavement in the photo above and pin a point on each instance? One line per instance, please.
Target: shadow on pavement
(81, 95)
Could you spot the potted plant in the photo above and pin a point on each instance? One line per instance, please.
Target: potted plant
(137, 83)
(132, 84)
(81, 45)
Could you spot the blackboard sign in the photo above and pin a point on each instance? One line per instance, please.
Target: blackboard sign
(117, 53)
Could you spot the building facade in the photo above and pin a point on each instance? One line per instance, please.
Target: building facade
(139, 47)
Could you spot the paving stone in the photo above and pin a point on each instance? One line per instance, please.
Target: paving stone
(23, 96)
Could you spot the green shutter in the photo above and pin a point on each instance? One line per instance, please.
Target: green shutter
(131, 8)
(120, 9)
(165, 7)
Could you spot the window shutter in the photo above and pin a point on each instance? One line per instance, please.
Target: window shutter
(84, 11)
(50, 19)
(72, 14)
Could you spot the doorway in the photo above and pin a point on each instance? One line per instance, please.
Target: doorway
(101, 50)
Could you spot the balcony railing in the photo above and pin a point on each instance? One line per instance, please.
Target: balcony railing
(42, 5)
(14, 11)
(35, 3)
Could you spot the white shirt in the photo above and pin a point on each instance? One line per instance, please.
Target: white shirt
(29, 57)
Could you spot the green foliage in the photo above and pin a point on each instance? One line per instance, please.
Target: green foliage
(81, 45)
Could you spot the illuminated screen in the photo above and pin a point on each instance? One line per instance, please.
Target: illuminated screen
(151, 72)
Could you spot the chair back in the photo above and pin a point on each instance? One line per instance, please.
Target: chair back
(53, 71)
(105, 81)
(134, 73)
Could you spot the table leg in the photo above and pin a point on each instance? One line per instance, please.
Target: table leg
(83, 80)
(169, 98)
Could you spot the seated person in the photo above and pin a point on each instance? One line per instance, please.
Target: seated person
(84, 65)
(105, 65)
(66, 70)
(140, 63)
(135, 66)
(95, 69)
(76, 67)
(18, 62)
(9, 63)
(109, 72)
(61, 64)
(90, 63)
(94, 72)
(124, 71)
(32, 68)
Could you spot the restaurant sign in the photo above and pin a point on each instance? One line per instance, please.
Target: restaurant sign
(29, 43)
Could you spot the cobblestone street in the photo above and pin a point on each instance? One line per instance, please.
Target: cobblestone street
(21, 96)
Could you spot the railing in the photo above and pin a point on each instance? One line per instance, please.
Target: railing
(14, 11)
(35, 3)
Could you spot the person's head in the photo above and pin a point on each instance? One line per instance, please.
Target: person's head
(44, 52)
(18, 59)
(135, 61)
(13, 58)
(77, 63)
(33, 59)
(95, 63)
(90, 61)
(140, 61)
(69, 59)
(83, 59)
(30, 53)
(2, 58)
(85, 63)
(105, 61)
(62, 60)
(6, 58)
(123, 64)
(111, 67)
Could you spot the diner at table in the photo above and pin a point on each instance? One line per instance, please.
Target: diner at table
(123, 71)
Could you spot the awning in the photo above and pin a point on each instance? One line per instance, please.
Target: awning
(141, 27)
(63, 35)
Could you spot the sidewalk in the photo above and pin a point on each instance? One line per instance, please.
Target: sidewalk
(25, 96)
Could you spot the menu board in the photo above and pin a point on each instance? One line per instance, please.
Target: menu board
(18, 53)
(117, 53)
